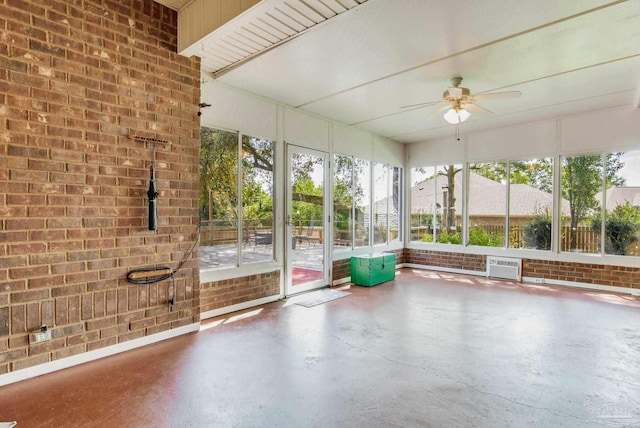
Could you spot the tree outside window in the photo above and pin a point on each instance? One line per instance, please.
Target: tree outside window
(234, 207)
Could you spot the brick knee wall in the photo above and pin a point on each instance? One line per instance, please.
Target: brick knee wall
(586, 273)
(228, 292)
(76, 78)
(470, 262)
(341, 269)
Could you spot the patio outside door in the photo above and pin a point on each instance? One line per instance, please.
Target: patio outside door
(307, 219)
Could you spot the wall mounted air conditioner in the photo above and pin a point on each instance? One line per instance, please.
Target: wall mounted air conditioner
(504, 267)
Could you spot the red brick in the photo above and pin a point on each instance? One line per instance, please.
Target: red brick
(66, 185)
(68, 352)
(61, 310)
(30, 272)
(92, 346)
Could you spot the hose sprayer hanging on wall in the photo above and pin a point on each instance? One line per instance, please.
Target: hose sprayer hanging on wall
(152, 193)
(155, 274)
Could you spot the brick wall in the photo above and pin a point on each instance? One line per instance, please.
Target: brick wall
(77, 77)
(341, 269)
(618, 276)
(587, 273)
(228, 292)
(470, 262)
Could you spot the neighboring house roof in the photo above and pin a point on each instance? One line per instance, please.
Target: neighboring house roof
(486, 197)
(620, 195)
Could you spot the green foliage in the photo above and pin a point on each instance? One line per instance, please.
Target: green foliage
(218, 174)
(427, 237)
(536, 173)
(621, 228)
(479, 236)
(537, 232)
(219, 177)
(496, 171)
(582, 181)
(308, 203)
(450, 238)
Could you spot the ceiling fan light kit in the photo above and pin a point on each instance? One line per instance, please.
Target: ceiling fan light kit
(456, 115)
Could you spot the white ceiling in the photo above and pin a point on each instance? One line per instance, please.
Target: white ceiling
(361, 66)
(265, 26)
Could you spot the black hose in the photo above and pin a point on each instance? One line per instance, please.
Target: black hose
(152, 194)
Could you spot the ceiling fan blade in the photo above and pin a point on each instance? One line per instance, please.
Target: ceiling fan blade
(496, 95)
(442, 109)
(475, 108)
(429, 103)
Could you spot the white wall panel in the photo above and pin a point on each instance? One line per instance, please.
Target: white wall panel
(304, 130)
(610, 130)
(525, 141)
(348, 140)
(436, 152)
(387, 151)
(234, 110)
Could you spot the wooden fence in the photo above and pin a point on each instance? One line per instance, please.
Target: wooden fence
(587, 241)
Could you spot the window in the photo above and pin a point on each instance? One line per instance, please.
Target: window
(487, 204)
(395, 207)
(351, 196)
(531, 203)
(529, 185)
(380, 203)
(436, 214)
(218, 198)
(622, 201)
(361, 202)
(582, 180)
(448, 190)
(343, 202)
(424, 221)
(356, 218)
(599, 204)
(236, 199)
(387, 200)
(257, 199)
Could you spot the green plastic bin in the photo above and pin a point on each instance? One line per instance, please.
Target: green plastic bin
(372, 269)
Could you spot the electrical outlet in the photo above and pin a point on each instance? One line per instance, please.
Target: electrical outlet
(43, 335)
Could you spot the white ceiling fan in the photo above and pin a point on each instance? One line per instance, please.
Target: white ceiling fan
(461, 103)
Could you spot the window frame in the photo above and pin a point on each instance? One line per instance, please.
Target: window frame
(228, 270)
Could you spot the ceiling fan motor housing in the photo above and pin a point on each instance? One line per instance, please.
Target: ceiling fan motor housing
(456, 94)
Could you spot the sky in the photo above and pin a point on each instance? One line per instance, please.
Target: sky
(631, 169)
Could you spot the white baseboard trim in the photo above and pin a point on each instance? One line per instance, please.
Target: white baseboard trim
(444, 269)
(238, 307)
(85, 357)
(573, 284)
(341, 281)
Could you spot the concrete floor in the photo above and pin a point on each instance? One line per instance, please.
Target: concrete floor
(305, 255)
(426, 350)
